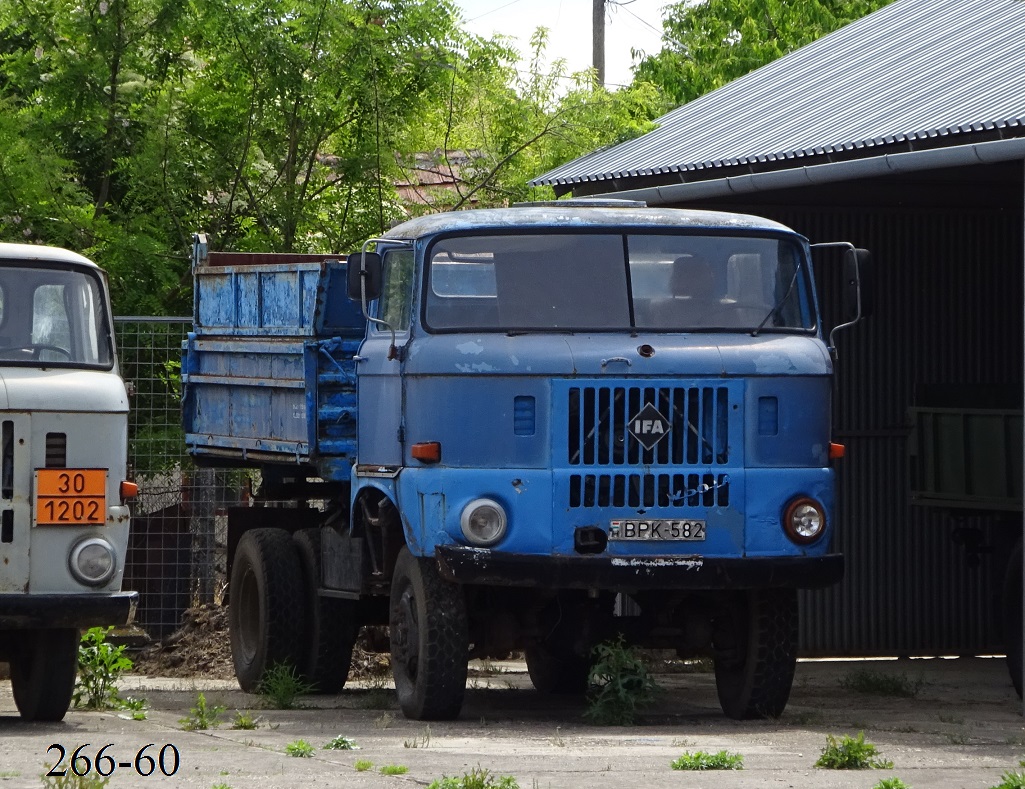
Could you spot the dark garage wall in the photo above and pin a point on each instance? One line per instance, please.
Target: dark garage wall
(948, 257)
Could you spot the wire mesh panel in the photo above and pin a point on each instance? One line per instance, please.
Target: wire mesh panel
(176, 550)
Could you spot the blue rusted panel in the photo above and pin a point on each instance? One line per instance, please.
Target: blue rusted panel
(286, 299)
(268, 374)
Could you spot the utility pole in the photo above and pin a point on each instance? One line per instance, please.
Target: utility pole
(598, 39)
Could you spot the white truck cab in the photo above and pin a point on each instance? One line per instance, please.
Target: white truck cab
(63, 489)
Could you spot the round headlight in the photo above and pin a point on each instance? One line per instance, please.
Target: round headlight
(804, 520)
(483, 522)
(92, 561)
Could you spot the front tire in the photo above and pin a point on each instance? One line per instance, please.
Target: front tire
(331, 626)
(756, 654)
(43, 673)
(429, 640)
(267, 606)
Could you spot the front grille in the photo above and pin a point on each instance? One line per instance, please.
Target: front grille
(56, 450)
(665, 491)
(598, 429)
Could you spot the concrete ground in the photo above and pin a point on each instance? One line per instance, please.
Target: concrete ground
(963, 728)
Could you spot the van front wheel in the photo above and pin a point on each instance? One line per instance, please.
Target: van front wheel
(43, 673)
(429, 640)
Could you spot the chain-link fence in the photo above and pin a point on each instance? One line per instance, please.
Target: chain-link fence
(176, 552)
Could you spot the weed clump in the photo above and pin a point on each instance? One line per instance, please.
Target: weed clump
(477, 778)
(300, 749)
(879, 684)
(700, 760)
(1012, 779)
(100, 666)
(851, 753)
(341, 743)
(620, 685)
(202, 716)
(281, 685)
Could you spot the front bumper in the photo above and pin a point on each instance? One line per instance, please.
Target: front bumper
(630, 573)
(35, 611)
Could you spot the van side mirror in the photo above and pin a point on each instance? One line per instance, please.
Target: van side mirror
(363, 267)
(858, 294)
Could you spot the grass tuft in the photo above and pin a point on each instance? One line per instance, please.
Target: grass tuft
(700, 760)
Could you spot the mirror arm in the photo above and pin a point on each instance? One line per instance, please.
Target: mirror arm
(857, 317)
(393, 350)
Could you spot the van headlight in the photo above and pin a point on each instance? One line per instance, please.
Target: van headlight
(483, 522)
(92, 561)
(804, 520)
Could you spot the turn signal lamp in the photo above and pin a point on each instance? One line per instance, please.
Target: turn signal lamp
(129, 490)
(426, 451)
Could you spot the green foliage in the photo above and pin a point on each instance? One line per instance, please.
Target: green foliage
(708, 44)
(1012, 779)
(300, 749)
(477, 778)
(70, 780)
(850, 753)
(100, 665)
(394, 769)
(891, 783)
(701, 760)
(362, 765)
(497, 129)
(880, 684)
(281, 685)
(245, 721)
(620, 685)
(202, 716)
(341, 743)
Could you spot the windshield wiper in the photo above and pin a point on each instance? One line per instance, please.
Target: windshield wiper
(779, 304)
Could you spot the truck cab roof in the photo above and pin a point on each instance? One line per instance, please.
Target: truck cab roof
(580, 215)
(26, 252)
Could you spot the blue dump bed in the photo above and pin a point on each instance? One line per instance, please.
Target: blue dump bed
(268, 372)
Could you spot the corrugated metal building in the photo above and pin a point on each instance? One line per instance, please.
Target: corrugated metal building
(904, 133)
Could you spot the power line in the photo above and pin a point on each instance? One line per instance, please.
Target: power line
(493, 10)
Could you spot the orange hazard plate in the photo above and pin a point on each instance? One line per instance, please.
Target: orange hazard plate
(71, 496)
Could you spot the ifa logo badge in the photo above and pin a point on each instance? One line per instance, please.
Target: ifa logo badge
(649, 426)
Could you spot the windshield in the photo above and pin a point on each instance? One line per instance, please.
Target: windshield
(612, 281)
(53, 317)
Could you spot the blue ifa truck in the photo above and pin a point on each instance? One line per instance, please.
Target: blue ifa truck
(525, 429)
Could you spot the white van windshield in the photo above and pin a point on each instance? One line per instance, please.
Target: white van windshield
(53, 317)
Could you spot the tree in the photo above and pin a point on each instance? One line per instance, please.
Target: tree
(712, 42)
(296, 112)
(508, 128)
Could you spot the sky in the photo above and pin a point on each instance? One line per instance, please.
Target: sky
(636, 24)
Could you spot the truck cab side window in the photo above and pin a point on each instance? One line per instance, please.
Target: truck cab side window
(397, 288)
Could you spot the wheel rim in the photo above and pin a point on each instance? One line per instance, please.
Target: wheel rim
(406, 634)
(248, 615)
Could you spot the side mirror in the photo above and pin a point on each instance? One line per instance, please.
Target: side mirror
(363, 267)
(858, 284)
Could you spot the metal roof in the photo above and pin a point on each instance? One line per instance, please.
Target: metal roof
(911, 71)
